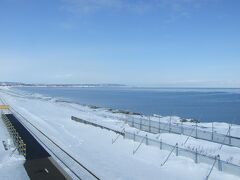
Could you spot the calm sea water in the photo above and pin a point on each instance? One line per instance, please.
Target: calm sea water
(207, 105)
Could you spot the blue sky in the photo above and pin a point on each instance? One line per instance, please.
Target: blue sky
(136, 42)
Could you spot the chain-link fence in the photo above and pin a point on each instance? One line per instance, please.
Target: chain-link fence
(154, 126)
(214, 161)
(17, 140)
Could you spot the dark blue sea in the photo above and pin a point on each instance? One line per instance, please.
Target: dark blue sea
(206, 105)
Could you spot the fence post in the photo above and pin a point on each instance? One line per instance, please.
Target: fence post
(170, 124)
(134, 151)
(140, 123)
(196, 156)
(230, 140)
(177, 149)
(149, 125)
(212, 131)
(219, 163)
(146, 139)
(159, 126)
(196, 129)
(132, 122)
(126, 119)
(134, 136)
(161, 144)
(169, 154)
(182, 127)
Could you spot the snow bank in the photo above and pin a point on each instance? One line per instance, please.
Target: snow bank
(93, 146)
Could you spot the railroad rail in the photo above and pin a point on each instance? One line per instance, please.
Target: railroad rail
(75, 169)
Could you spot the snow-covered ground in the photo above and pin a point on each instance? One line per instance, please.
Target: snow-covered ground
(93, 146)
(11, 164)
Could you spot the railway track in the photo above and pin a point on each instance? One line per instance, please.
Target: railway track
(74, 168)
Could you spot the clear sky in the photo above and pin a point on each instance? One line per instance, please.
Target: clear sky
(136, 42)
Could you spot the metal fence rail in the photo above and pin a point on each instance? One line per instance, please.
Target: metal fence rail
(17, 139)
(94, 124)
(195, 155)
(155, 127)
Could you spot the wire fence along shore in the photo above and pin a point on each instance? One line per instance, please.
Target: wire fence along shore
(145, 138)
(197, 157)
(156, 127)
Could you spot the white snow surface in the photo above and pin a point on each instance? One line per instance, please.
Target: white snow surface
(93, 146)
(11, 164)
